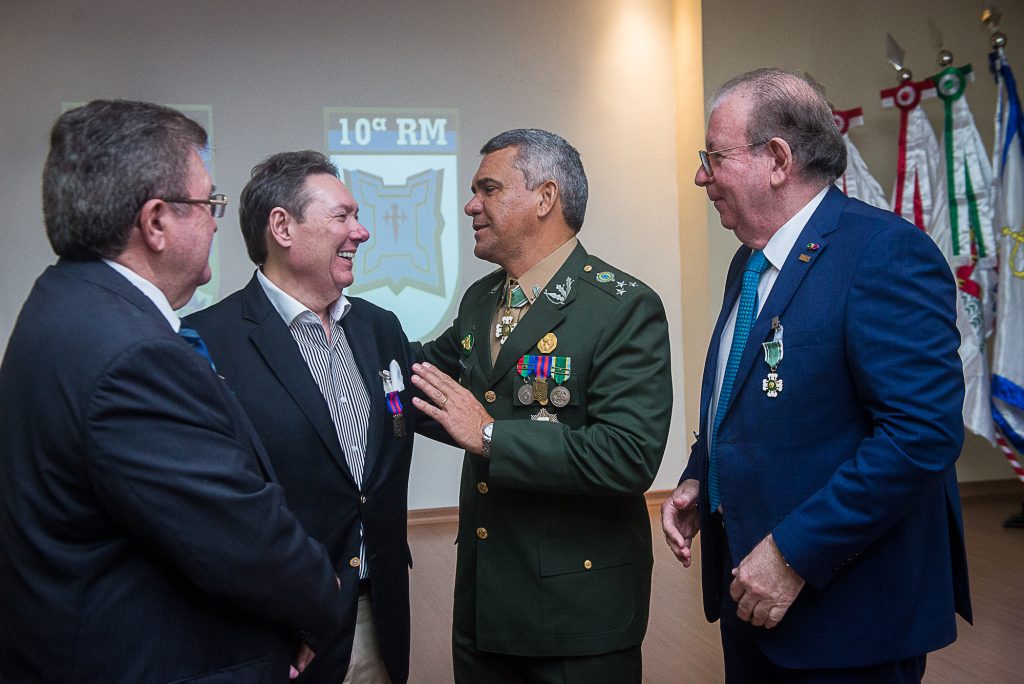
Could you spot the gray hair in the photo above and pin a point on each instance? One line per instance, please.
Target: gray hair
(277, 181)
(791, 106)
(108, 158)
(543, 156)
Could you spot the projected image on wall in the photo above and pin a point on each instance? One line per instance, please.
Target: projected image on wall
(402, 168)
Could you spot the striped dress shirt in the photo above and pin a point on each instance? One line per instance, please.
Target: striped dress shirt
(333, 367)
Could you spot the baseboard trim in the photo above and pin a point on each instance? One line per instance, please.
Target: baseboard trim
(431, 516)
(990, 488)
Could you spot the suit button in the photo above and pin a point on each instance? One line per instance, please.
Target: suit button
(354, 561)
(490, 396)
(481, 487)
(362, 498)
(481, 532)
(587, 565)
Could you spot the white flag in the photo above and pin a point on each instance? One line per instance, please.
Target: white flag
(1008, 162)
(964, 234)
(857, 181)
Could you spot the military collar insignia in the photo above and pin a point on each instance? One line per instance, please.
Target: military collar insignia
(561, 292)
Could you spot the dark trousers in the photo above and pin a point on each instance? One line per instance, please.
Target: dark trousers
(745, 663)
(479, 667)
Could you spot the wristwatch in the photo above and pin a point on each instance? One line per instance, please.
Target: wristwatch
(486, 431)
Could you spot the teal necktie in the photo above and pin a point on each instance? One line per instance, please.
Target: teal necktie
(193, 338)
(745, 316)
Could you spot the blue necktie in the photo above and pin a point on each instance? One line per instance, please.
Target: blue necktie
(745, 316)
(193, 338)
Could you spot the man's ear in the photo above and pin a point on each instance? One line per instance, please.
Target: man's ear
(548, 192)
(280, 227)
(782, 161)
(153, 224)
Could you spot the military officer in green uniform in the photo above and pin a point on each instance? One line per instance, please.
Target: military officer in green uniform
(562, 403)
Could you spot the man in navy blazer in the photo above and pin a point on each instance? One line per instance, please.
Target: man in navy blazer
(823, 476)
(143, 537)
(325, 379)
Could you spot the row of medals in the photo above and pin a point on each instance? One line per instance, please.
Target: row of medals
(536, 389)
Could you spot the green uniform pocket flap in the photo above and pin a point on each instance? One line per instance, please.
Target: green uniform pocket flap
(562, 555)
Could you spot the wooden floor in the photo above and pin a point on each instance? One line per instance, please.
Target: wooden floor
(682, 647)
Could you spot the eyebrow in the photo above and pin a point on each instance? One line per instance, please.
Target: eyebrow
(486, 179)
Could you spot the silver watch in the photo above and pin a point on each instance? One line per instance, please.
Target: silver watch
(486, 431)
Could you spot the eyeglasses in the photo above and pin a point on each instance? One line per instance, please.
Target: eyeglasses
(705, 157)
(217, 203)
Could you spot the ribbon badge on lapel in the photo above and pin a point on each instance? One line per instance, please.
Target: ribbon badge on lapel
(772, 384)
(393, 384)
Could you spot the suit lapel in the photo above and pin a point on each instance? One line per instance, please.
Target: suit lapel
(363, 341)
(544, 315)
(276, 345)
(824, 220)
(480, 321)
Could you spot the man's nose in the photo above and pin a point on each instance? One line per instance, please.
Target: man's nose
(473, 206)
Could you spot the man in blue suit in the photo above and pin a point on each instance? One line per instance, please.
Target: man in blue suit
(823, 476)
(144, 538)
(325, 379)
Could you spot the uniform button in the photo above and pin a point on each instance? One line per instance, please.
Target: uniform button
(490, 396)
(362, 499)
(587, 564)
(354, 561)
(481, 532)
(481, 487)
(588, 268)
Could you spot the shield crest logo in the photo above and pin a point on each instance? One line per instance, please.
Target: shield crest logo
(401, 167)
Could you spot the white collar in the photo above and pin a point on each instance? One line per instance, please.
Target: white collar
(290, 308)
(152, 292)
(779, 246)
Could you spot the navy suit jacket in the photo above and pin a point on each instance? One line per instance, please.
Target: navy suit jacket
(259, 359)
(851, 467)
(141, 538)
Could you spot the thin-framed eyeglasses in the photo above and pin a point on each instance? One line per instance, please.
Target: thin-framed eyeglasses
(217, 202)
(705, 157)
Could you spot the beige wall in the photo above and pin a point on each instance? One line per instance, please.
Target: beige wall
(599, 72)
(842, 44)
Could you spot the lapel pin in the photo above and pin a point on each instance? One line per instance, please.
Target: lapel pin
(805, 258)
(813, 246)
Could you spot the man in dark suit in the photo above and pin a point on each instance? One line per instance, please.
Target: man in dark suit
(823, 478)
(563, 410)
(324, 378)
(143, 537)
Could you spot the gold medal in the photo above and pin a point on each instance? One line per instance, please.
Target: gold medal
(540, 390)
(525, 394)
(547, 343)
(560, 396)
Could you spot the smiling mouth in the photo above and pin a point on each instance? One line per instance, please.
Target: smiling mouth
(346, 255)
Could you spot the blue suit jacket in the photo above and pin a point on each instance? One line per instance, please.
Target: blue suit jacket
(259, 359)
(142, 539)
(851, 466)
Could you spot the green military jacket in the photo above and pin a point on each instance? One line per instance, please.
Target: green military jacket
(554, 542)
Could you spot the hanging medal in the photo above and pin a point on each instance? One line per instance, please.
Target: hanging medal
(561, 369)
(525, 368)
(772, 384)
(540, 379)
(394, 402)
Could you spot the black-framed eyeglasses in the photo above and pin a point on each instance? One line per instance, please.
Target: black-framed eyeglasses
(705, 157)
(216, 201)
